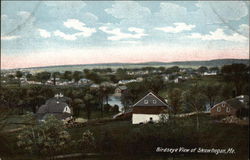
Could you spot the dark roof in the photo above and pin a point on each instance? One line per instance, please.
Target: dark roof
(56, 106)
(151, 100)
(122, 87)
(42, 109)
(235, 103)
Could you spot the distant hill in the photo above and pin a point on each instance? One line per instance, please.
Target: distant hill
(191, 64)
(216, 62)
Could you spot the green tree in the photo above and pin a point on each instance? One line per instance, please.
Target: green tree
(55, 75)
(19, 75)
(87, 141)
(67, 75)
(43, 76)
(89, 102)
(77, 75)
(236, 74)
(202, 69)
(194, 99)
(174, 97)
(47, 138)
(211, 91)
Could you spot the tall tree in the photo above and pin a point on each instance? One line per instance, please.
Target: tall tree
(89, 101)
(174, 97)
(211, 91)
(19, 75)
(77, 76)
(237, 74)
(195, 100)
(55, 75)
(43, 76)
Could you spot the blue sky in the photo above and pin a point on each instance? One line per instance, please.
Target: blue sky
(38, 33)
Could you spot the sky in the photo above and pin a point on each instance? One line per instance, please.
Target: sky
(45, 33)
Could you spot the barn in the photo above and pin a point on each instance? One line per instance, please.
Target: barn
(231, 107)
(149, 109)
(57, 106)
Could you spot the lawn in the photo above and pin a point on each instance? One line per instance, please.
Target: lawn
(125, 141)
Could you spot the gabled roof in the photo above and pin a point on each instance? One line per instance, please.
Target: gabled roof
(151, 100)
(122, 87)
(235, 102)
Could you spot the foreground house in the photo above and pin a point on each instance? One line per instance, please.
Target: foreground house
(149, 109)
(231, 107)
(56, 106)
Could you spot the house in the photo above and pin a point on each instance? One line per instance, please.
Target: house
(231, 106)
(127, 81)
(107, 84)
(57, 106)
(209, 74)
(94, 86)
(120, 90)
(149, 109)
(84, 81)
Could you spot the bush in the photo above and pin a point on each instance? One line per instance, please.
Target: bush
(47, 138)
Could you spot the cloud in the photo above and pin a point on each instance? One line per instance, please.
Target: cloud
(179, 27)
(116, 33)
(65, 36)
(129, 13)
(171, 12)
(129, 9)
(4, 16)
(219, 35)
(43, 33)
(65, 9)
(244, 29)
(9, 37)
(24, 14)
(78, 25)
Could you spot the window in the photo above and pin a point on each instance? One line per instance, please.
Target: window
(228, 109)
(223, 104)
(145, 101)
(154, 101)
(218, 109)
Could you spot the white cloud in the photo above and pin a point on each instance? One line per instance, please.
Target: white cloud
(127, 10)
(24, 14)
(116, 33)
(179, 27)
(219, 35)
(43, 33)
(130, 13)
(244, 29)
(171, 12)
(9, 37)
(78, 25)
(4, 16)
(65, 36)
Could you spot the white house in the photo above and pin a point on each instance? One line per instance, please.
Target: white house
(149, 109)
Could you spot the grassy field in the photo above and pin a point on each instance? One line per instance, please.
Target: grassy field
(122, 140)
